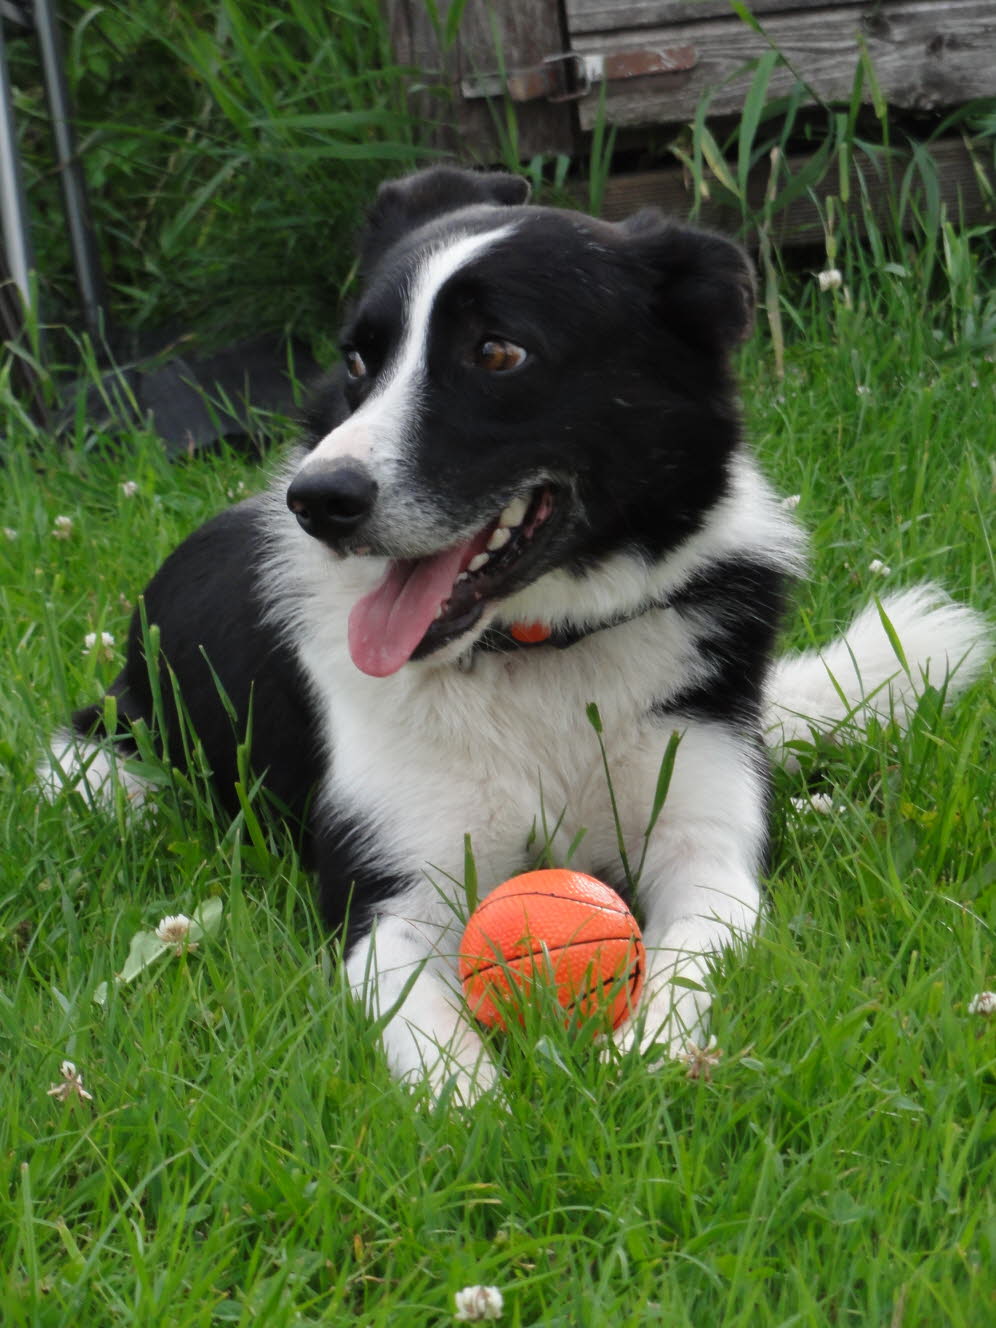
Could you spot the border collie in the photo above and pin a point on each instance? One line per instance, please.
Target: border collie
(526, 490)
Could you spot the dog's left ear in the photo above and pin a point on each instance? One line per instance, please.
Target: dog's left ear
(401, 205)
(703, 283)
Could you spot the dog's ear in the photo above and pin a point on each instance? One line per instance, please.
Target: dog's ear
(403, 204)
(703, 283)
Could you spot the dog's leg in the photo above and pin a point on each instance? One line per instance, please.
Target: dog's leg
(93, 769)
(407, 979)
(699, 888)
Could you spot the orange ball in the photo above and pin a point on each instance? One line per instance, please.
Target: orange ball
(556, 926)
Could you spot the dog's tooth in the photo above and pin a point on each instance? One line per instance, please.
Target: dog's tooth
(514, 513)
(477, 562)
(464, 576)
(499, 538)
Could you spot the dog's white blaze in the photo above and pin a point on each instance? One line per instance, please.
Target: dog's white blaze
(376, 434)
(351, 439)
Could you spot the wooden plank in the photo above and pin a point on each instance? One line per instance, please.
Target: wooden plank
(925, 54)
(800, 223)
(611, 15)
(521, 32)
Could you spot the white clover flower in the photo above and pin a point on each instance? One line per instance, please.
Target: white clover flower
(128, 489)
(175, 930)
(62, 527)
(478, 1302)
(71, 1086)
(791, 502)
(821, 803)
(176, 934)
(9, 534)
(100, 647)
(831, 279)
(984, 1003)
(878, 568)
(700, 1060)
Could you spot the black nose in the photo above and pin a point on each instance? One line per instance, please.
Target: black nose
(333, 498)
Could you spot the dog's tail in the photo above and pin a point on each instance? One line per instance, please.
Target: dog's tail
(877, 669)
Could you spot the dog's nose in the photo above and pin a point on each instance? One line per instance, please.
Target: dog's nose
(333, 499)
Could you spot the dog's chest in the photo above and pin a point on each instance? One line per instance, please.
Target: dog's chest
(506, 754)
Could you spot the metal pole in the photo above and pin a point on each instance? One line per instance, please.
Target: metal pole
(86, 260)
(13, 203)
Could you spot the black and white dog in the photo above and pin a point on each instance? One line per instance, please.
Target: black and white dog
(527, 491)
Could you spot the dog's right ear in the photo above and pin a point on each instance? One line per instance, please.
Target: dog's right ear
(702, 284)
(402, 205)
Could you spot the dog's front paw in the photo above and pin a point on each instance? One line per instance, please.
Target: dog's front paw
(666, 1022)
(457, 1068)
(451, 1080)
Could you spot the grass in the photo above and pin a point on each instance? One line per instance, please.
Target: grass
(208, 129)
(245, 1156)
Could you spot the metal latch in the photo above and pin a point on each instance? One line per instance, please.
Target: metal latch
(570, 75)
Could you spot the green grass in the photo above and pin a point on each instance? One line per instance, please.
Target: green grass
(246, 1157)
(211, 129)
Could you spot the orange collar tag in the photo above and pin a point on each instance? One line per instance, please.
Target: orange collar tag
(529, 634)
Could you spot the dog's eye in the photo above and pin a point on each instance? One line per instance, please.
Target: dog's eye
(497, 356)
(355, 366)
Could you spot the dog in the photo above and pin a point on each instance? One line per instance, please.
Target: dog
(525, 490)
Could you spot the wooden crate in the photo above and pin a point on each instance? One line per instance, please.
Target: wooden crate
(927, 55)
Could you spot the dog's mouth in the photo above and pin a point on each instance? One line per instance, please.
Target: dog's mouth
(422, 604)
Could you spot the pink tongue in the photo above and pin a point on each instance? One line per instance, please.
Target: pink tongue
(386, 625)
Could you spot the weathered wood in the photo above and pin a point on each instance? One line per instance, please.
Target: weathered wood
(609, 15)
(514, 33)
(800, 223)
(925, 55)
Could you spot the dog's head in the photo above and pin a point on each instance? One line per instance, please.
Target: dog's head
(530, 392)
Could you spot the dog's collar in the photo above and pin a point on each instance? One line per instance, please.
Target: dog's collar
(527, 636)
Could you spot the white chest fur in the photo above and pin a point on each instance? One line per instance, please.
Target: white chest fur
(504, 753)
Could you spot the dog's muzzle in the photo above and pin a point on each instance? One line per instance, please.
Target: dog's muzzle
(332, 499)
